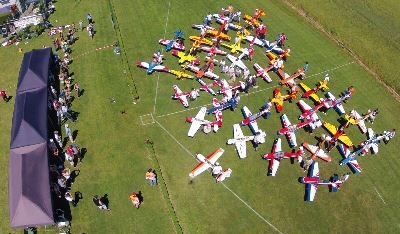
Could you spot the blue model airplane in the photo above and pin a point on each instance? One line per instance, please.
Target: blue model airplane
(217, 106)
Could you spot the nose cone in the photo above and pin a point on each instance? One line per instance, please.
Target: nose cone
(189, 119)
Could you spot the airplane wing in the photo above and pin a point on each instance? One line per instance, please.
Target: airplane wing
(274, 164)
(164, 42)
(200, 168)
(304, 106)
(255, 41)
(240, 145)
(197, 124)
(291, 136)
(343, 138)
(315, 150)
(211, 75)
(143, 64)
(262, 73)
(236, 62)
(360, 121)
(214, 156)
(311, 189)
(313, 96)
(161, 68)
(373, 146)
(253, 125)
(353, 164)
(338, 107)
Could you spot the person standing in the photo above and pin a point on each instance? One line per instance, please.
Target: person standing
(81, 25)
(57, 137)
(89, 18)
(4, 95)
(68, 132)
(306, 67)
(134, 197)
(217, 169)
(77, 89)
(151, 177)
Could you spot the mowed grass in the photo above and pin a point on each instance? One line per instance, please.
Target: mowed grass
(370, 28)
(117, 156)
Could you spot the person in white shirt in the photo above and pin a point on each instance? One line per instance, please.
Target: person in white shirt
(217, 169)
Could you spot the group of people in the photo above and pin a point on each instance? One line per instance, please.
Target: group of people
(136, 197)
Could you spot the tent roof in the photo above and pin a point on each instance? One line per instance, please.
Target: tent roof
(34, 70)
(29, 190)
(29, 124)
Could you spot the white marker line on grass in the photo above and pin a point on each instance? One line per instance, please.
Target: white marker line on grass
(254, 92)
(376, 190)
(226, 187)
(158, 74)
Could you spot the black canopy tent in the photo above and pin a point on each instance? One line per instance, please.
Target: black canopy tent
(29, 194)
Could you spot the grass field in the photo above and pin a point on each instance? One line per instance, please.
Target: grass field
(249, 201)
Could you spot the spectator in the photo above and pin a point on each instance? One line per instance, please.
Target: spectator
(57, 137)
(134, 197)
(77, 89)
(90, 30)
(306, 67)
(81, 25)
(69, 156)
(223, 175)
(217, 169)
(99, 202)
(68, 132)
(53, 147)
(4, 95)
(69, 198)
(151, 177)
(66, 173)
(62, 182)
(89, 18)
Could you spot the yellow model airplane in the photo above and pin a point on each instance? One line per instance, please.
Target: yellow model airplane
(200, 40)
(273, 57)
(183, 57)
(235, 48)
(253, 20)
(180, 74)
(311, 93)
(279, 98)
(338, 134)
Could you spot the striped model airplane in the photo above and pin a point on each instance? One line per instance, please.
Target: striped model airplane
(206, 162)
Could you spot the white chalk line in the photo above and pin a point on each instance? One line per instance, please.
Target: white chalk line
(376, 190)
(226, 187)
(254, 92)
(162, 50)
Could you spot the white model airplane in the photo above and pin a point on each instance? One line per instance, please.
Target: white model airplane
(316, 151)
(252, 124)
(239, 140)
(182, 96)
(206, 163)
(311, 114)
(263, 73)
(237, 61)
(277, 155)
(198, 121)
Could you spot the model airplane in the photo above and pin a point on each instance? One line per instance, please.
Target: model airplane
(337, 134)
(217, 106)
(237, 61)
(206, 163)
(265, 111)
(220, 19)
(337, 103)
(200, 40)
(290, 80)
(239, 140)
(254, 20)
(176, 43)
(183, 57)
(279, 55)
(212, 50)
(154, 65)
(180, 74)
(350, 158)
(198, 121)
(234, 48)
(289, 129)
(355, 118)
(202, 72)
(218, 34)
(316, 151)
(310, 113)
(263, 73)
(254, 40)
(206, 87)
(183, 96)
(251, 123)
(322, 85)
(312, 181)
(277, 155)
(202, 27)
(226, 89)
(279, 98)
